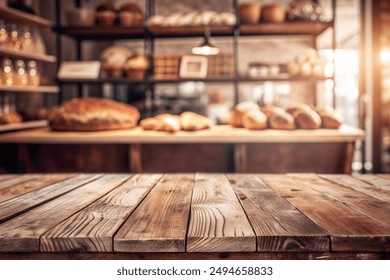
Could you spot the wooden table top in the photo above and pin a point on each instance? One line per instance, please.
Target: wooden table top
(252, 215)
(218, 134)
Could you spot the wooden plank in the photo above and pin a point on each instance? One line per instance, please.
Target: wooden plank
(358, 184)
(376, 209)
(240, 158)
(159, 224)
(135, 157)
(37, 182)
(218, 134)
(349, 153)
(379, 181)
(218, 222)
(22, 234)
(349, 229)
(26, 55)
(13, 207)
(92, 229)
(278, 225)
(17, 180)
(5, 177)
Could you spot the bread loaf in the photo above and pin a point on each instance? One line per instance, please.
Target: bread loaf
(151, 124)
(169, 123)
(269, 110)
(93, 114)
(299, 106)
(239, 110)
(9, 118)
(254, 120)
(273, 13)
(330, 117)
(282, 120)
(191, 121)
(307, 119)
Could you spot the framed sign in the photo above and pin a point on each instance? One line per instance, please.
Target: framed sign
(192, 66)
(79, 70)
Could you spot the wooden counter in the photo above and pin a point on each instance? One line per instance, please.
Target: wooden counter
(220, 149)
(194, 216)
(218, 134)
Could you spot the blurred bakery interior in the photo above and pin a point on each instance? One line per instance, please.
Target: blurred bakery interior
(268, 86)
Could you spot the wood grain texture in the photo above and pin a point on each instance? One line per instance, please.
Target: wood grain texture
(22, 233)
(159, 224)
(349, 229)
(17, 180)
(379, 181)
(33, 184)
(92, 229)
(6, 177)
(278, 225)
(218, 222)
(218, 134)
(14, 206)
(360, 185)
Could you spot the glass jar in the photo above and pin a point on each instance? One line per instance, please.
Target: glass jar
(34, 77)
(27, 42)
(7, 72)
(3, 34)
(14, 40)
(21, 77)
(307, 10)
(39, 44)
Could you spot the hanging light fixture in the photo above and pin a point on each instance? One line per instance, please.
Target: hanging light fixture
(205, 48)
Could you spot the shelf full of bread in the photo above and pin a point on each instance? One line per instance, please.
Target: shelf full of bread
(99, 120)
(128, 21)
(22, 61)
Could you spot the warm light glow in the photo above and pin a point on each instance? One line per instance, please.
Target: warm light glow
(385, 56)
(205, 50)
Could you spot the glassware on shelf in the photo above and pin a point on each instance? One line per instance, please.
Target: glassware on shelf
(3, 34)
(307, 10)
(7, 72)
(34, 76)
(27, 40)
(21, 76)
(14, 40)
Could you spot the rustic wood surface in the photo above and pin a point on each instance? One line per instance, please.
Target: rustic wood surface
(218, 134)
(190, 216)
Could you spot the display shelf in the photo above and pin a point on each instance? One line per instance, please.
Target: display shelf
(18, 17)
(140, 32)
(217, 134)
(285, 28)
(23, 125)
(26, 55)
(26, 89)
(281, 78)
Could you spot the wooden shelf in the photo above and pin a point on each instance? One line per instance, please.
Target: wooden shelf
(285, 28)
(18, 17)
(25, 89)
(26, 55)
(141, 32)
(23, 125)
(218, 134)
(282, 78)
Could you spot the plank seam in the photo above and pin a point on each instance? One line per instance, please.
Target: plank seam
(189, 213)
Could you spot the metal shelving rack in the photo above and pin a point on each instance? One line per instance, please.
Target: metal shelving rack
(149, 34)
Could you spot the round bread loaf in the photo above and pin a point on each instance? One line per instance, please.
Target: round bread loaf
(299, 106)
(273, 13)
(9, 118)
(330, 117)
(307, 119)
(282, 120)
(269, 110)
(190, 121)
(93, 114)
(169, 123)
(239, 110)
(254, 120)
(151, 124)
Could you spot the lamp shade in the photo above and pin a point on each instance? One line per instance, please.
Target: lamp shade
(205, 48)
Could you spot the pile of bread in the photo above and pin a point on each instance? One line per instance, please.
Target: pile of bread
(251, 116)
(187, 121)
(98, 114)
(32, 114)
(308, 64)
(193, 18)
(128, 14)
(117, 60)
